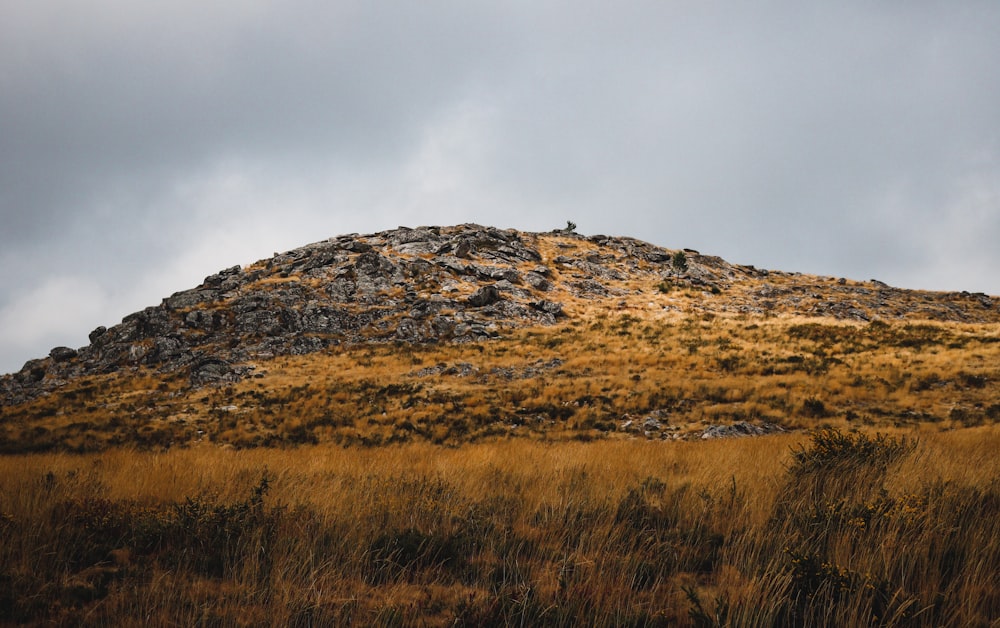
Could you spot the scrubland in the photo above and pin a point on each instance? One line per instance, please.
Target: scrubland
(830, 527)
(583, 379)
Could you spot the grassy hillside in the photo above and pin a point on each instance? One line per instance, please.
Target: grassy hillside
(463, 426)
(588, 377)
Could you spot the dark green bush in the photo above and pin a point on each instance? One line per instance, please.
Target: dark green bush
(679, 262)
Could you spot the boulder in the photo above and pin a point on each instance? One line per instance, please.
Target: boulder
(166, 348)
(97, 333)
(463, 249)
(222, 275)
(487, 295)
(357, 246)
(209, 370)
(549, 307)
(190, 298)
(537, 281)
(740, 428)
(33, 371)
(62, 354)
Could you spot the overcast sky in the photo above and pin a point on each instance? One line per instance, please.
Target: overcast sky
(145, 145)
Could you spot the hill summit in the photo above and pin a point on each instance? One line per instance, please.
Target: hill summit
(429, 288)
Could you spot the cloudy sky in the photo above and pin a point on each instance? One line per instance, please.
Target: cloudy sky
(145, 145)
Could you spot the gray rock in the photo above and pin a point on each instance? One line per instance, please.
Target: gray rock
(418, 248)
(452, 264)
(97, 333)
(589, 287)
(443, 326)
(33, 371)
(62, 354)
(410, 330)
(342, 289)
(537, 281)
(166, 348)
(190, 298)
(356, 246)
(222, 277)
(549, 307)
(487, 295)
(318, 261)
(506, 274)
(463, 249)
(210, 370)
(740, 428)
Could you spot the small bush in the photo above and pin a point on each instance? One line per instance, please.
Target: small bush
(679, 262)
(833, 449)
(971, 380)
(814, 408)
(820, 585)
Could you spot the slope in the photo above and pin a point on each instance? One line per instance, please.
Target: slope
(451, 334)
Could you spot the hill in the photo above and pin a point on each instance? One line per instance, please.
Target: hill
(464, 426)
(451, 334)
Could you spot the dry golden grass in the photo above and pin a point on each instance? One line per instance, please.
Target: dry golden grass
(619, 532)
(582, 379)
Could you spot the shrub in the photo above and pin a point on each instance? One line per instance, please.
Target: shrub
(833, 449)
(679, 262)
(219, 539)
(814, 408)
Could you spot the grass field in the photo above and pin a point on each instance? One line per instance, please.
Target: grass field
(827, 528)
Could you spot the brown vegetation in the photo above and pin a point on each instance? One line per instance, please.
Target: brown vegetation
(583, 379)
(834, 529)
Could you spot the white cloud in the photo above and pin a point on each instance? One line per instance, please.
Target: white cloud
(49, 315)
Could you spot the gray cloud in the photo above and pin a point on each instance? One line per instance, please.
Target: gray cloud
(145, 146)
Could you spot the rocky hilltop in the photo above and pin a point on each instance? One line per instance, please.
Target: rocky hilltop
(450, 285)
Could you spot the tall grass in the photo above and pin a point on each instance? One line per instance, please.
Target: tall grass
(827, 529)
